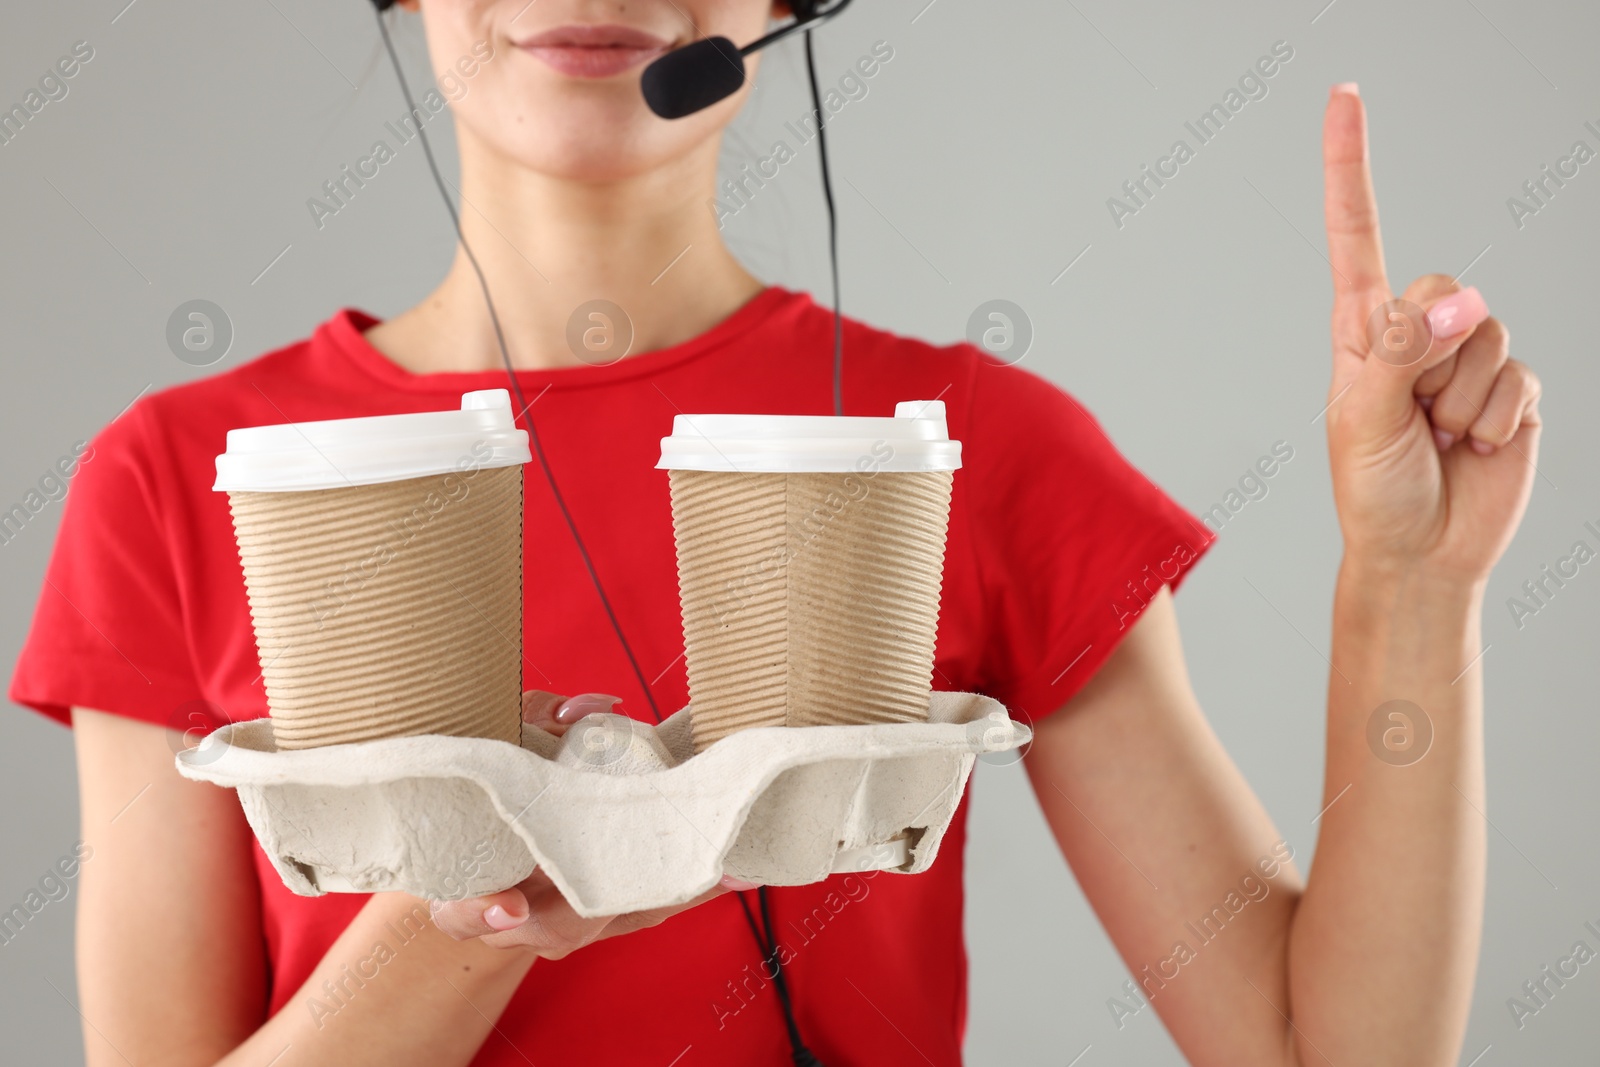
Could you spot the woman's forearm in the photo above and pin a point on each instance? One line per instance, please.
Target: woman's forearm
(1385, 940)
(391, 989)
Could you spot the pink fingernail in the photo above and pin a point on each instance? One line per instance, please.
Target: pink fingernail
(1458, 313)
(585, 704)
(738, 884)
(1348, 87)
(1443, 439)
(501, 919)
(1482, 448)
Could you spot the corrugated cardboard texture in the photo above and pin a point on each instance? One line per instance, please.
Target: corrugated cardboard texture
(388, 610)
(796, 588)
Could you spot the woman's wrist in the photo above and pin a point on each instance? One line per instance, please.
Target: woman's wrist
(1408, 586)
(1403, 629)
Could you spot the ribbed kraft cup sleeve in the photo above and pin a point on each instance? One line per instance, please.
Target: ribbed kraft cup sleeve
(809, 599)
(388, 610)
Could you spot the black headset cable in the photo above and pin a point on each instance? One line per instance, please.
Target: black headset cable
(833, 229)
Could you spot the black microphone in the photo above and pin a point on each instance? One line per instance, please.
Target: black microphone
(694, 77)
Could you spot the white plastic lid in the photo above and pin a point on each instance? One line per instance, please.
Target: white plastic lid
(368, 451)
(916, 439)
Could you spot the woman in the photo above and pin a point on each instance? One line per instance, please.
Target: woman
(1057, 601)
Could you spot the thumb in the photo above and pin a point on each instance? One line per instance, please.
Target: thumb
(554, 713)
(539, 709)
(1414, 339)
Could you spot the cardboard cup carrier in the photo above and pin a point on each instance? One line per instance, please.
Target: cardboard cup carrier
(383, 561)
(810, 558)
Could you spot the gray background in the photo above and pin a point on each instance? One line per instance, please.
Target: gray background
(977, 167)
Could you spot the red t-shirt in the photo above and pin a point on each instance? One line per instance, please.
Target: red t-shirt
(1055, 544)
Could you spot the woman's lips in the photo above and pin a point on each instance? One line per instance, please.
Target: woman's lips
(581, 51)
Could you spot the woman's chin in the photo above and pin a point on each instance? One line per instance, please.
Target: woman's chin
(592, 149)
(586, 161)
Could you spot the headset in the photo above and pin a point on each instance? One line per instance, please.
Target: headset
(677, 84)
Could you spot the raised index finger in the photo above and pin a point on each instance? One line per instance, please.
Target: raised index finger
(1354, 246)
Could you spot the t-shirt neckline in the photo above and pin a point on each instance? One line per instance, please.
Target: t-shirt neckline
(345, 333)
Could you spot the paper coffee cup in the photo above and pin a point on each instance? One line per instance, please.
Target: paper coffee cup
(383, 561)
(810, 558)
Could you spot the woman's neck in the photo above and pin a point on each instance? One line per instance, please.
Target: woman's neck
(647, 245)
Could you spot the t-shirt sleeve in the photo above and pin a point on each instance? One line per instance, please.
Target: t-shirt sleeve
(1072, 540)
(108, 630)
